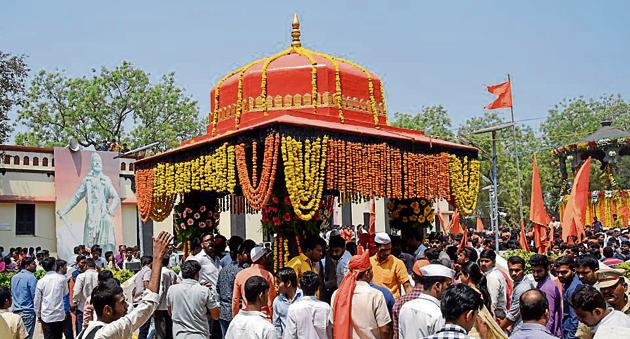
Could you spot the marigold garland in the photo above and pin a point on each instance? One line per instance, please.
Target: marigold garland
(263, 79)
(257, 194)
(426, 175)
(304, 170)
(464, 177)
(338, 94)
(370, 87)
(144, 192)
(365, 169)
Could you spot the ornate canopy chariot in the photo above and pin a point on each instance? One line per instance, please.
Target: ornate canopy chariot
(607, 145)
(289, 131)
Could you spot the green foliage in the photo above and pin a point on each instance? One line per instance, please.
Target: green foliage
(13, 73)
(525, 255)
(433, 120)
(5, 279)
(625, 266)
(122, 275)
(120, 104)
(176, 269)
(39, 274)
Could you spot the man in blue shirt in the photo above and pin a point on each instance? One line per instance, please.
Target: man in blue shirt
(565, 268)
(23, 287)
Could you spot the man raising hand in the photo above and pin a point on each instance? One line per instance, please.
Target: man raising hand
(110, 305)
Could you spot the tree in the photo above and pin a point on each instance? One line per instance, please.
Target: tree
(526, 144)
(433, 120)
(120, 104)
(13, 73)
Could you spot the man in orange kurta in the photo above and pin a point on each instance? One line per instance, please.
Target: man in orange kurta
(257, 268)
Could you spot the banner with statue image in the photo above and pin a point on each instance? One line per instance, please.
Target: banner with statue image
(87, 203)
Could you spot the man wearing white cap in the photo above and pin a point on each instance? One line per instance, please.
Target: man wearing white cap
(422, 317)
(257, 268)
(389, 271)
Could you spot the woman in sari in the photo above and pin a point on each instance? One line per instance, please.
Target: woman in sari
(485, 327)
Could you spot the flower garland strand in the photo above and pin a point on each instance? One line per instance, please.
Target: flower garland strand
(370, 87)
(257, 194)
(144, 192)
(304, 170)
(338, 94)
(464, 177)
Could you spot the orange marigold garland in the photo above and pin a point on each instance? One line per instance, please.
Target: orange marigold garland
(144, 192)
(257, 194)
(426, 176)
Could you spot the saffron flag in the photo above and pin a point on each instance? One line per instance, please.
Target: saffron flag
(541, 238)
(537, 212)
(522, 239)
(575, 210)
(443, 223)
(503, 91)
(372, 228)
(464, 241)
(455, 227)
(480, 227)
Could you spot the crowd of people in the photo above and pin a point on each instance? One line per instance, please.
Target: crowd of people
(388, 286)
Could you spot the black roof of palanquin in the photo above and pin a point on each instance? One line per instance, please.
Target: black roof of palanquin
(605, 132)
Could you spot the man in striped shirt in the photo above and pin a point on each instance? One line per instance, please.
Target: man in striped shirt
(415, 293)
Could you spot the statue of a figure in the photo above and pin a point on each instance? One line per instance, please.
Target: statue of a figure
(97, 189)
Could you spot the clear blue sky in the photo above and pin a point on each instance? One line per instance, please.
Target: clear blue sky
(427, 52)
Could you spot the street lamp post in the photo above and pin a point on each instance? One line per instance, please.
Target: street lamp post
(494, 192)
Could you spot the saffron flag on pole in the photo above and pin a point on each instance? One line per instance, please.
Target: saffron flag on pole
(537, 212)
(503, 91)
(522, 239)
(575, 210)
(464, 242)
(372, 227)
(443, 223)
(455, 227)
(480, 227)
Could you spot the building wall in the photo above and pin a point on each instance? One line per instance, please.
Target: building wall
(44, 228)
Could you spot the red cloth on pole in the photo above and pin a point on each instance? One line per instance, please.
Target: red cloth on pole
(503, 91)
(455, 227)
(537, 212)
(575, 210)
(464, 242)
(541, 238)
(372, 227)
(480, 227)
(522, 239)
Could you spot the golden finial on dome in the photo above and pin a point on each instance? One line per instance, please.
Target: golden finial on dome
(295, 33)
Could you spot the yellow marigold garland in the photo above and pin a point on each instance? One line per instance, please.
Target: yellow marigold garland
(239, 93)
(370, 87)
(304, 170)
(464, 177)
(263, 79)
(338, 94)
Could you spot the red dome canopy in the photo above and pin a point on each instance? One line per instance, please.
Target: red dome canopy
(297, 82)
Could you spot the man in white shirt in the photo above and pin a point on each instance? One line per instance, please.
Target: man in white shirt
(422, 317)
(497, 285)
(309, 317)
(191, 305)
(210, 264)
(49, 300)
(590, 308)
(162, 319)
(251, 322)
(140, 283)
(110, 306)
(84, 285)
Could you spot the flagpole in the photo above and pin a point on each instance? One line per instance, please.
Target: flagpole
(518, 167)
